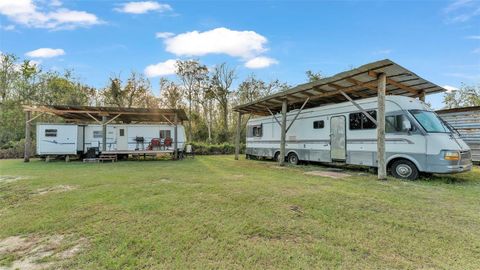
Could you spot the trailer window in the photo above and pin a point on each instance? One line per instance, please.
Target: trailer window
(361, 121)
(50, 133)
(257, 131)
(122, 132)
(97, 134)
(165, 134)
(318, 124)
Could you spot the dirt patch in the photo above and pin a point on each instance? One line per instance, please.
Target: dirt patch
(10, 178)
(297, 210)
(165, 180)
(34, 252)
(330, 174)
(54, 189)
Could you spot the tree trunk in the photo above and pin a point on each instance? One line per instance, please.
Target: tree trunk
(225, 116)
(189, 116)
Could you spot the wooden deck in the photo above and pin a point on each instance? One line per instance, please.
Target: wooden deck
(138, 152)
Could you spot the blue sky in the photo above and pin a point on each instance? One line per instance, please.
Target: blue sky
(439, 40)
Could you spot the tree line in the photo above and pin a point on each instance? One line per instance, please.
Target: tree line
(206, 94)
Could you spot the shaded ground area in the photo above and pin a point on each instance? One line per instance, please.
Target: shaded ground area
(213, 212)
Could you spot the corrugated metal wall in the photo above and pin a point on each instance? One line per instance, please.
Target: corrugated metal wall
(468, 125)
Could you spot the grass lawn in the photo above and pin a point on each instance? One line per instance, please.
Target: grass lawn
(214, 212)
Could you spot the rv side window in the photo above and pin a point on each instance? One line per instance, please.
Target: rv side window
(50, 133)
(318, 124)
(397, 123)
(361, 121)
(122, 132)
(257, 131)
(165, 134)
(97, 134)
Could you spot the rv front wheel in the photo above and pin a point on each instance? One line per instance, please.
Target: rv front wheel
(404, 169)
(293, 158)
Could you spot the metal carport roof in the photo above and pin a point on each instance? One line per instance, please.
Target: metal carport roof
(73, 113)
(357, 83)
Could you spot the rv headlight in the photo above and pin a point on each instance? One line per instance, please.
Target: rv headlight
(452, 155)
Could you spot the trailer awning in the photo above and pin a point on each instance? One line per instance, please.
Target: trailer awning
(114, 114)
(357, 83)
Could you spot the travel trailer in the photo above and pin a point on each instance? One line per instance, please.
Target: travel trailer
(72, 139)
(417, 140)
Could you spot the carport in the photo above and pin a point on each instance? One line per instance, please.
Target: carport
(104, 116)
(370, 80)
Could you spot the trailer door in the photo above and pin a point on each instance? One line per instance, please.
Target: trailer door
(122, 142)
(338, 140)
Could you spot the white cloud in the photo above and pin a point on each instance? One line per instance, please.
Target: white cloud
(55, 3)
(45, 53)
(143, 7)
(244, 44)
(161, 69)
(25, 12)
(164, 34)
(260, 62)
(477, 50)
(35, 63)
(450, 88)
(472, 37)
(9, 27)
(460, 11)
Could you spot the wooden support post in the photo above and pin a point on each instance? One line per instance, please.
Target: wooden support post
(104, 133)
(28, 139)
(421, 96)
(283, 134)
(382, 168)
(175, 137)
(237, 138)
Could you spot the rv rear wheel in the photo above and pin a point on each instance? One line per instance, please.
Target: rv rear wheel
(404, 169)
(293, 158)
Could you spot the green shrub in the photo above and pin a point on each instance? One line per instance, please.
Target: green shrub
(201, 148)
(15, 149)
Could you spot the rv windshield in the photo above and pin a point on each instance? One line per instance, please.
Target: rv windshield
(430, 121)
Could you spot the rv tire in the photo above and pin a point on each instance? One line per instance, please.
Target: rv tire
(292, 159)
(275, 156)
(404, 169)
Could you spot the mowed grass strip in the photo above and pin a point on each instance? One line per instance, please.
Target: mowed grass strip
(214, 212)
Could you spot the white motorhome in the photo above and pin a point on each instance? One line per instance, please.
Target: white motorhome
(417, 140)
(71, 139)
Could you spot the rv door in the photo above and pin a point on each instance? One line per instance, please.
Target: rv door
(338, 144)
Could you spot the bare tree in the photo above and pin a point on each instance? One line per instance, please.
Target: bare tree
(313, 76)
(136, 93)
(467, 95)
(252, 89)
(221, 81)
(171, 94)
(206, 100)
(8, 75)
(191, 73)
